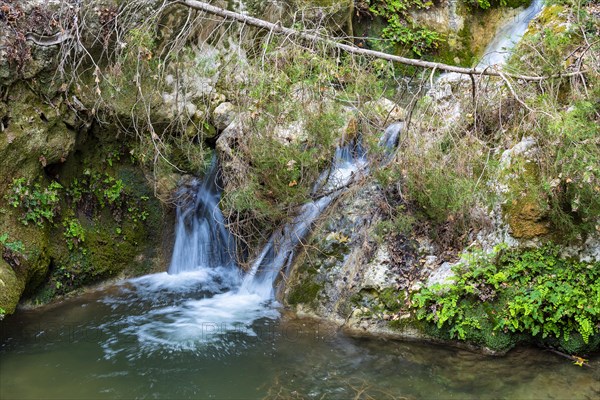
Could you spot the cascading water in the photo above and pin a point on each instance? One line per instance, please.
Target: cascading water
(500, 47)
(391, 136)
(204, 300)
(279, 251)
(201, 239)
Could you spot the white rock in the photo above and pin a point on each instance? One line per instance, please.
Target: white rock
(385, 110)
(443, 274)
(223, 115)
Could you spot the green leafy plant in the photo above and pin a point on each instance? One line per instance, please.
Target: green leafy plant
(39, 204)
(534, 292)
(485, 4)
(73, 233)
(113, 189)
(400, 29)
(14, 246)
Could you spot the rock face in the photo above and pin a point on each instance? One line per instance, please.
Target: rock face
(350, 276)
(467, 30)
(75, 208)
(70, 217)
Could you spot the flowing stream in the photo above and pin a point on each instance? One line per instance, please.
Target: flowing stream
(204, 330)
(104, 345)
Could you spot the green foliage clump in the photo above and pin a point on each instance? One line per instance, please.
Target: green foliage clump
(445, 181)
(15, 246)
(113, 189)
(73, 233)
(39, 204)
(400, 29)
(485, 4)
(400, 222)
(532, 292)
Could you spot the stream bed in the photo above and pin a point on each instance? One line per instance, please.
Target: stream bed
(187, 336)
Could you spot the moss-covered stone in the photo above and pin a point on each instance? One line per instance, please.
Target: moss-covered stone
(11, 288)
(526, 208)
(34, 135)
(305, 292)
(527, 218)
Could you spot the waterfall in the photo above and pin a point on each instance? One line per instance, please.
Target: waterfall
(201, 240)
(203, 300)
(500, 47)
(391, 136)
(278, 254)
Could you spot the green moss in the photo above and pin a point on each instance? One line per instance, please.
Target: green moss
(306, 292)
(11, 288)
(392, 299)
(109, 221)
(517, 3)
(574, 344)
(526, 207)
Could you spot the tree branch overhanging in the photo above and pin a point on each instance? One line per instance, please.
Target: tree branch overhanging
(277, 28)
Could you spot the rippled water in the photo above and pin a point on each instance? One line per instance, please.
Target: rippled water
(165, 336)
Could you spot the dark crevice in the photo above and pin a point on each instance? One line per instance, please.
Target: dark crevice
(4, 123)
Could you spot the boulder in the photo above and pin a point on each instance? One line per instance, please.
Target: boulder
(223, 115)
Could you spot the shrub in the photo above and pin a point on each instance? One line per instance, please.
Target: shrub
(400, 29)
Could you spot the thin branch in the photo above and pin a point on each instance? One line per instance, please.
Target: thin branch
(277, 28)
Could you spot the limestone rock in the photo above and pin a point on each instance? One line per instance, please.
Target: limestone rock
(10, 288)
(231, 141)
(441, 275)
(223, 115)
(384, 111)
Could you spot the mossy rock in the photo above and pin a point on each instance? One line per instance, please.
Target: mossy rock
(527, 218)
(35, 136)
(305, 292)
(576, 345)
(11, 287)
(526, 208)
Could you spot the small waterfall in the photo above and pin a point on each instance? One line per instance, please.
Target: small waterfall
(500, 47)
(201, 240)
(278, 254)
(391, 136)
(203, 300)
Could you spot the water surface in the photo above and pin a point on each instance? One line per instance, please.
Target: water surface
(187, 336)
